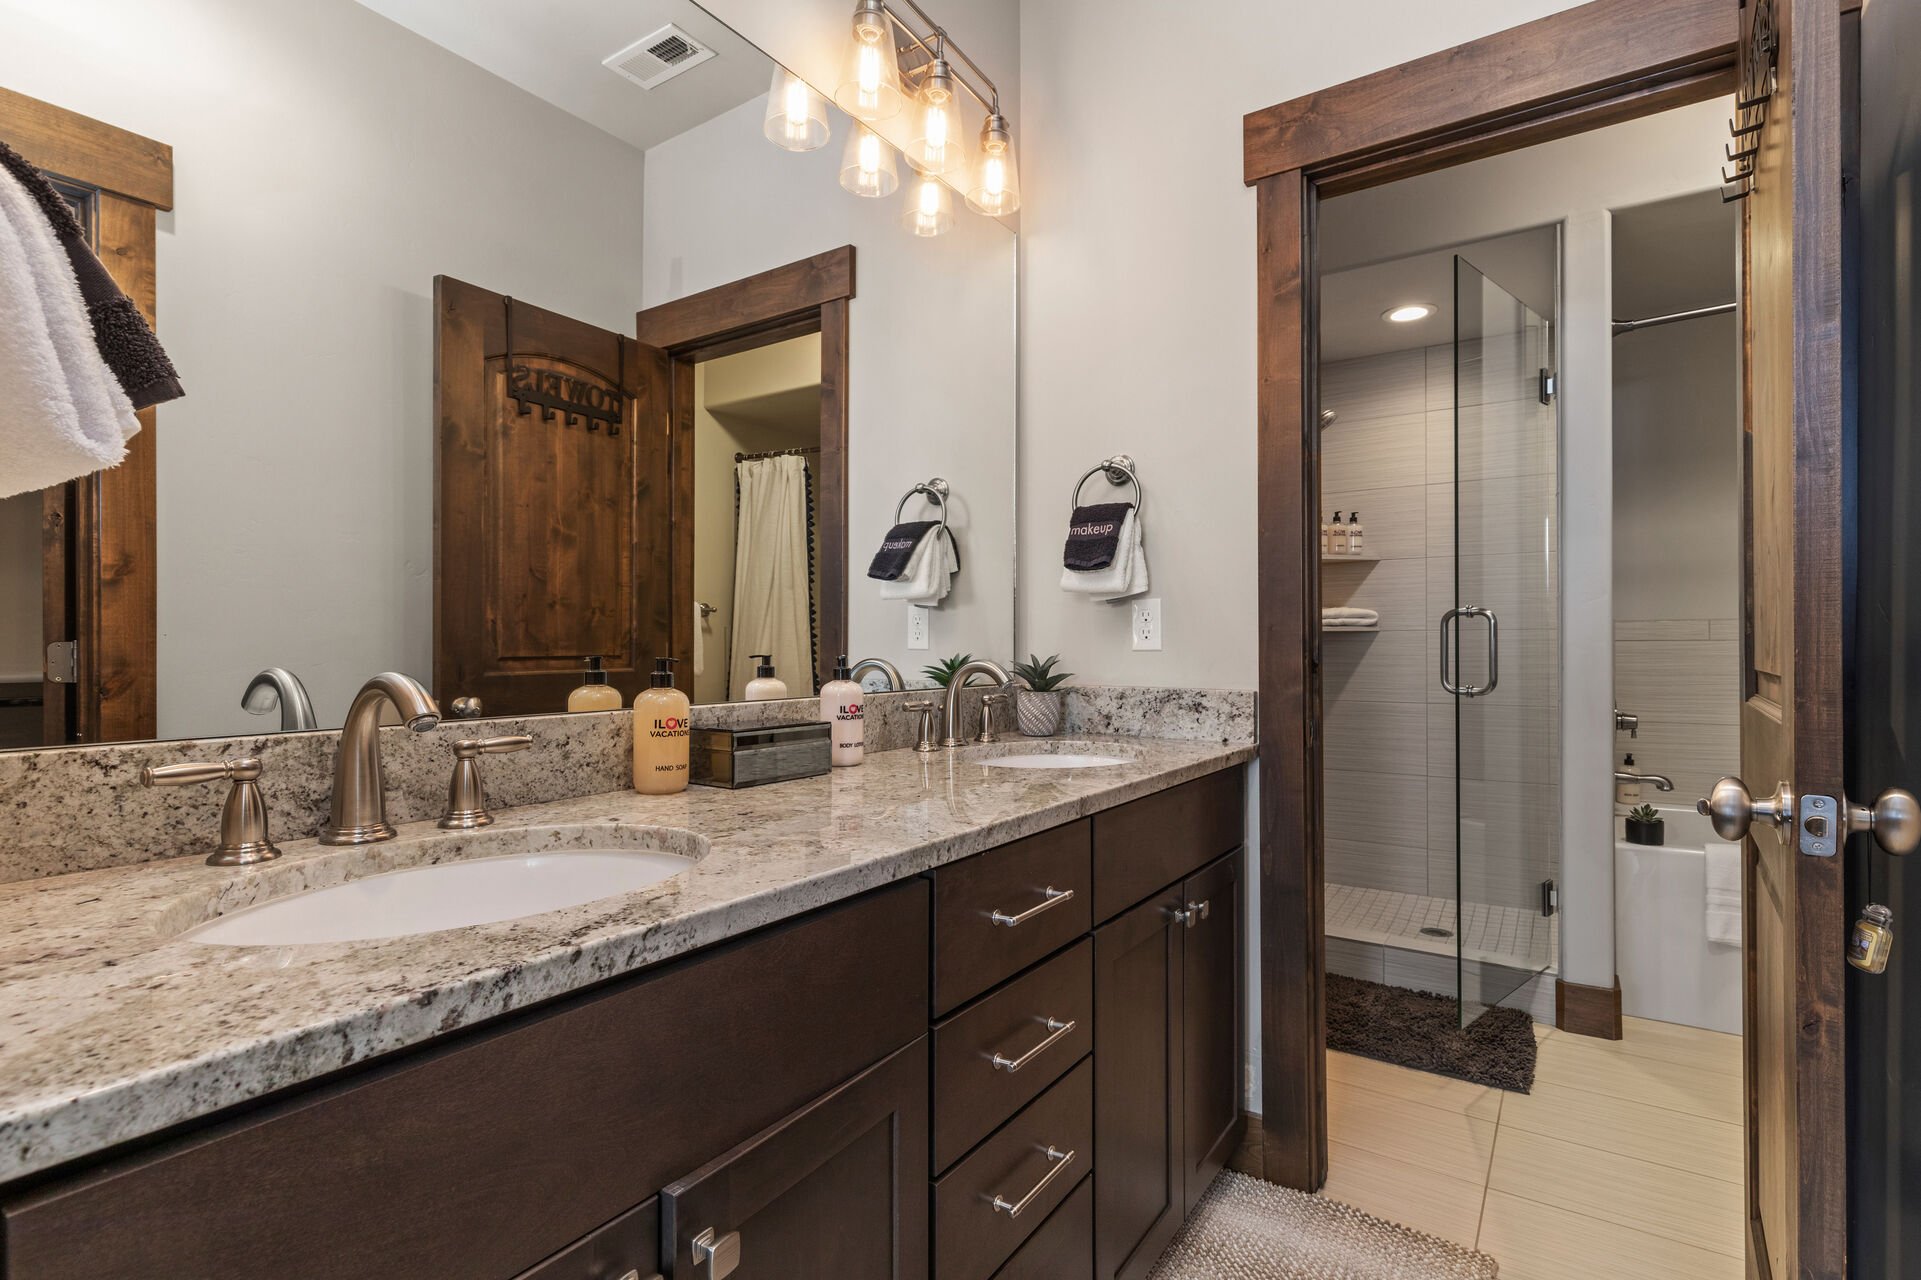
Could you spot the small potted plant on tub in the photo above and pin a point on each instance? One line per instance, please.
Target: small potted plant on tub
(1645, 825)
(1038, 707)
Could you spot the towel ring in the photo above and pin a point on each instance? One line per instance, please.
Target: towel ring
(1119, 470)
(936, 491)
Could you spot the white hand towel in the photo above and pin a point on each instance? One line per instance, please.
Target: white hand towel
(1125, 574)
(62, 411)
(1724, 893)
(700, 639)
(1336, 618)
(929, 571)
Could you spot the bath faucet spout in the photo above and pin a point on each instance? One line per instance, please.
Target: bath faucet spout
(950, 715)
(1661, 781)
(358, 811)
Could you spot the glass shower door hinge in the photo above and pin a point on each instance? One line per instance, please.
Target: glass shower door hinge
(1547, 386)
(1550, 897)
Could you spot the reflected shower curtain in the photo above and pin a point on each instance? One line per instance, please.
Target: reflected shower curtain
(773, 577)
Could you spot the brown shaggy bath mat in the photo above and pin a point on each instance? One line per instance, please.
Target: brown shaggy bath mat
(1415, 1029)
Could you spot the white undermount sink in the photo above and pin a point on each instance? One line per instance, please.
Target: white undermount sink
(1061, 760)
(445, 895)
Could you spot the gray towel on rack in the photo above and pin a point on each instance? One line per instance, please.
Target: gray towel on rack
(897, 548)
(1094, 535)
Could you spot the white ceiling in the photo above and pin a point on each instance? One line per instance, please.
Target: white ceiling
(554, 49)
(1352, 302)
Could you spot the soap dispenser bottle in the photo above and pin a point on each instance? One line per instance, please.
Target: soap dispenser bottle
(765, 685)
(660, 734)
(841, 706)
(594, 693)
(1627, 792)
(1354, 534)
(1337, 537)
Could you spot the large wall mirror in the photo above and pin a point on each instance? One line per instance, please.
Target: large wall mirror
(500, 353)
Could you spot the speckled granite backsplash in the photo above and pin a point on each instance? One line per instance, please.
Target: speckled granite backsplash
(83, 808)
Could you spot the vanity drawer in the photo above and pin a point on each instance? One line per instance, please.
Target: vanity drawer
(997, 913)
(627, 1246)
(973, 1237)
(1063, 1247)
(1038, 1025)
(1142, 847)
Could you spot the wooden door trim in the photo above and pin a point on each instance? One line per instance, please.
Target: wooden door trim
(1599, 64)
(809, 296)
(103, 525)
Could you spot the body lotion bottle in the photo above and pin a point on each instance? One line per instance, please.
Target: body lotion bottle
(841, 707)
(660, 734)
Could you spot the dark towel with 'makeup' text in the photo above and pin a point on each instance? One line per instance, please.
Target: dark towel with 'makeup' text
(1094, 535)
(897, 548)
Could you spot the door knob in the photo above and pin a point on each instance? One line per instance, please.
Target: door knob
(1895, 820)
(1733, 811)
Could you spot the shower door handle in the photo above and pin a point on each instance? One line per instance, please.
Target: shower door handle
(1493, 651)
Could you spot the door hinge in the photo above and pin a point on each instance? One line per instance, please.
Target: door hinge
(1548, 382)
(1550, 897)
(63, 662)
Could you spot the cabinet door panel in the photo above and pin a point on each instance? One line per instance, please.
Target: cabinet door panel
(627, 1246)
(834, 1191)
(1063, 1247)
(1138, 1156)
(1212, 1018)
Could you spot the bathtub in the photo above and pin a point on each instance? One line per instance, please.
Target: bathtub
(1669, 970)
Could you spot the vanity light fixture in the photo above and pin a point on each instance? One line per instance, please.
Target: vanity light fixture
(867, 166)
(796, 115)
(939, 143)
(1408, 312)
(996, 186)
(930, 206)
(870, 86)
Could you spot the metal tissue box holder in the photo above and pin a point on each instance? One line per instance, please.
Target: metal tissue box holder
(754, 757)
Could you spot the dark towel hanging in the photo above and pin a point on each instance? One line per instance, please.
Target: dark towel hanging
(897, 548)
(122, 334)
(1094, 535)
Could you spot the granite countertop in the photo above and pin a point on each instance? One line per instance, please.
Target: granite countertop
(113, 1027)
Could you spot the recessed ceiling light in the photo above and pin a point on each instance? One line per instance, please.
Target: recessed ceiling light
(1408, 312)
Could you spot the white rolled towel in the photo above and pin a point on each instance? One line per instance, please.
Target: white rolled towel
(700, 639)
(1338, 616)
(1723, 920)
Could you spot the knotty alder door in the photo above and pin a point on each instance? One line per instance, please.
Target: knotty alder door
(1791, 715)
(552, 503)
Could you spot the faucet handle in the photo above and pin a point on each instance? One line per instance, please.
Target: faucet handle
(466, 797)
(988, 702)
(243, 819)
(927, 744)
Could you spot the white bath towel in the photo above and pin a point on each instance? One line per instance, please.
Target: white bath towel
(1340, 616)
(929, 573)
(700, 638)
(62, 412)
(1724, 893)
(1124, 576)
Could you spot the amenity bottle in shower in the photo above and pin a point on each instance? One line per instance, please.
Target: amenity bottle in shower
(842, 706)
(1354, 533)
(1337, 537)
(1627, 792)
(1327, 536)
(660, 734)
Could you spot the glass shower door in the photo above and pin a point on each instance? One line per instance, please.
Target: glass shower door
(1499, 640)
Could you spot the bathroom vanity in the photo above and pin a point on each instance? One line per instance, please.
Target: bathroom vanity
(972, 1022)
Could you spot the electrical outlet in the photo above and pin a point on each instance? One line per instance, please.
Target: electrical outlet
(1147, 623)
(916, 626)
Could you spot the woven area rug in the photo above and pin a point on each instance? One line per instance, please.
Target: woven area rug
(1415, 1029)
(1246, 1229)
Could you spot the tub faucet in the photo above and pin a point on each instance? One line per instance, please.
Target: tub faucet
(1661, 781)
(358, 812)
(950, 715)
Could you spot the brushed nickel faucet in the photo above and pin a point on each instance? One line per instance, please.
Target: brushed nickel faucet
(358, 812)
(243, 820)
(950, 713)
(1660, 780)
(894, 683)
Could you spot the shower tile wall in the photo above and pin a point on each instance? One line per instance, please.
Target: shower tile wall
(1389, 765)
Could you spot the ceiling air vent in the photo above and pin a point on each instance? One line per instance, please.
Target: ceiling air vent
(659, 57)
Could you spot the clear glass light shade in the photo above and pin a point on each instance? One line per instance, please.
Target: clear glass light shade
(870, 76)
(867, 166)
(796, 115)
(939, 143)
(929, 208)
(994, 186)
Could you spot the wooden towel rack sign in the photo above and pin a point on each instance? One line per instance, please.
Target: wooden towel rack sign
(576, 401)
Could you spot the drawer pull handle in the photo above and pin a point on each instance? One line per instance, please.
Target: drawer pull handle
(633, 1273)
(1056, 1029)
(1051, 897)
(1013, 1209)
(1194, 913)
(720, 1254)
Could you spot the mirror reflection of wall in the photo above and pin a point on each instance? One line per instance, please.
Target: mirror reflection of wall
(325, 162)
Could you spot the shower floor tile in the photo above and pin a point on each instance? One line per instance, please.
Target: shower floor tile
(1499, 935)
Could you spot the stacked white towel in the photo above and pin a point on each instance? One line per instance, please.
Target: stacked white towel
(1124, 576)
(62, 411)
(930, 571)
(1343, 618)
(1724, 893)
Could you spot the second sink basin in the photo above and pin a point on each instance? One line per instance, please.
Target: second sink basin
(445, 895)
(1062, 760)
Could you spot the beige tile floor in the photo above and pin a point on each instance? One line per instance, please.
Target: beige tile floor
(1625, 1161)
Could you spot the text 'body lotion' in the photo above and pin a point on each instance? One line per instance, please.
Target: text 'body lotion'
(660, 734)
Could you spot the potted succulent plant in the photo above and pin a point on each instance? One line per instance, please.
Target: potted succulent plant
(1646, 826)
(1038, 707)
(942, 672)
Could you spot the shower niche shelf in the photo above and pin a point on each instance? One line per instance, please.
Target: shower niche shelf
(1350, 559)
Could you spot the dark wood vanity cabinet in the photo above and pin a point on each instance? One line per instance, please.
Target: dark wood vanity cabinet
(1024, 1064)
